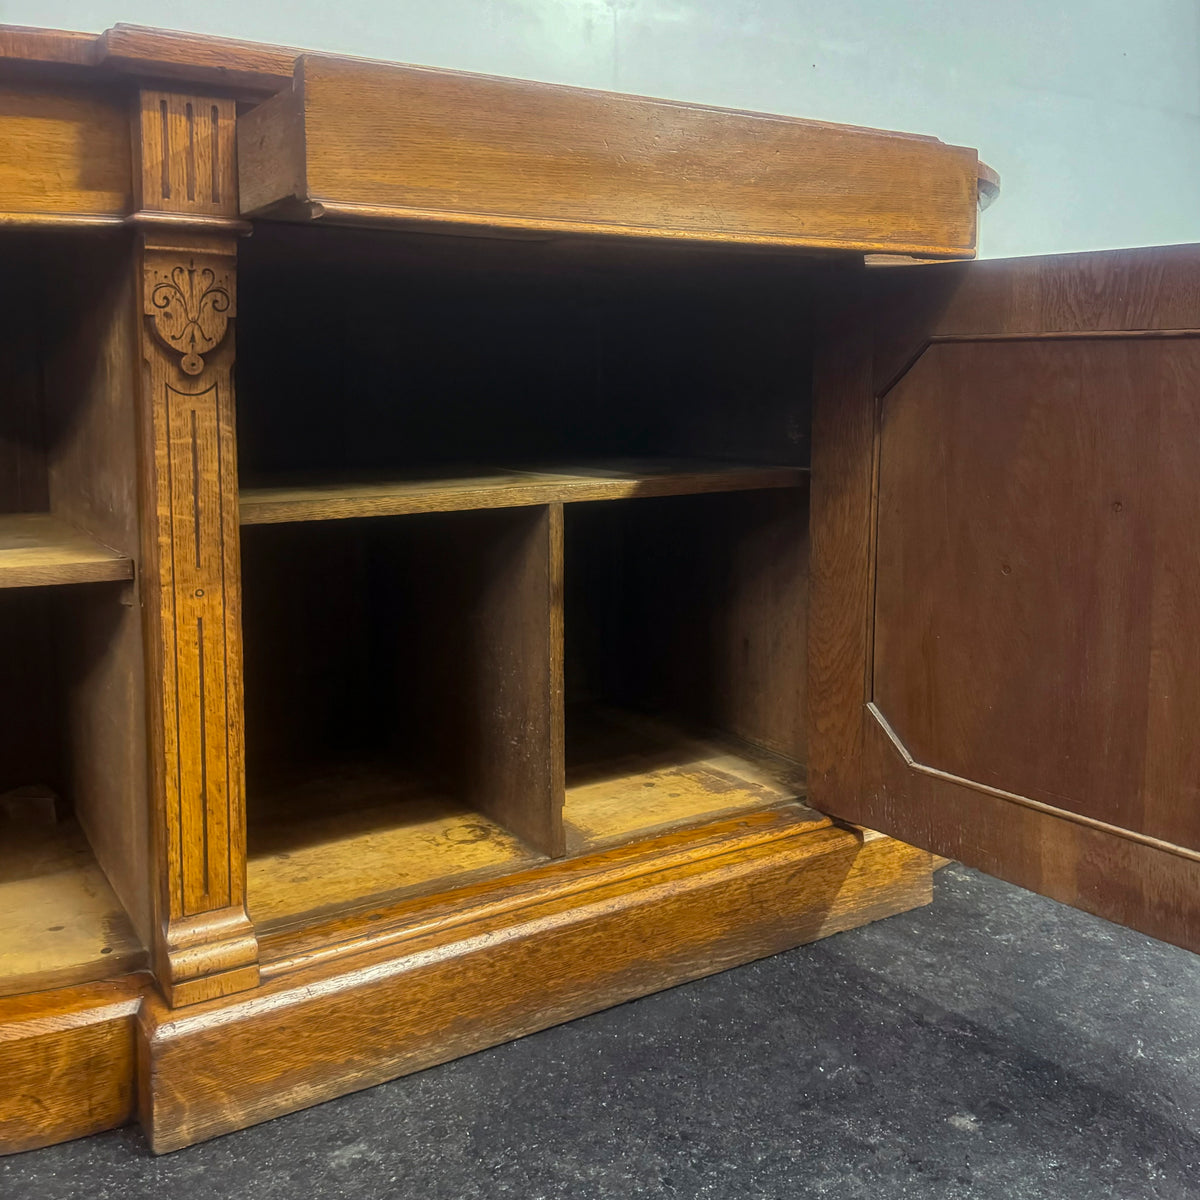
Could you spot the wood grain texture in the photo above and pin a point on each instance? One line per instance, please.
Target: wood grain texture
(64, 154)
(67, 1061)
(693, 609)
(60, 922)
(510, 729)
(970, 575)
(360, 837)
(841, 550)
(507, 489)
(89, 369)
(38, 550)
(631, 776)
(401, 699)
(470, 599)
(50, 47)
(187, 154)
(390, 923)
(247, 67)
(193, 635)
(450, 148)
(1024, 697)
(485, 980)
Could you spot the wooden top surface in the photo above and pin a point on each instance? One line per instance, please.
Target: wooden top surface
(252, 66)
(352, 141)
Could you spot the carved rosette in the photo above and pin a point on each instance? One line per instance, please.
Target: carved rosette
(190, 307)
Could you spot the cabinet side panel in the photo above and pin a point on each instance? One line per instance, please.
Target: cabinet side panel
(840, 575)
(91, 380)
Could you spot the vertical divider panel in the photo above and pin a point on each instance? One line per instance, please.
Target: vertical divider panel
(518, 776)
(556, 531)
(191, 573)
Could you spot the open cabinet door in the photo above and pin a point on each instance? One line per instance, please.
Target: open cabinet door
(1005, 622)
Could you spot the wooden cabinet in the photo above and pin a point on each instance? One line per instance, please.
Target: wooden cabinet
(602, 560)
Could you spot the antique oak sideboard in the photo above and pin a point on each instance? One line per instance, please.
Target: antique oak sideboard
(627, 508)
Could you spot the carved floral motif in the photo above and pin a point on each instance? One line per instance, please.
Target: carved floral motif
(190, 307)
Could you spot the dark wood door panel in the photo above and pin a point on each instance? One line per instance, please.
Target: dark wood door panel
(1005, 628)
(1037, 584)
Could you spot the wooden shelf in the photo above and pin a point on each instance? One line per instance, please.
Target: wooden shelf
(356, 834)
(505, 488)
(630, 776)
(37, 550)
(60, 923)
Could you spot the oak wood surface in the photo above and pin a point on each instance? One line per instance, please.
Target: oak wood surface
(473, 650)
(64, 153)
(441, 995)
(354, 931)
(408, 905)
(629, 359)
(89, 362)
(362, 835)
(632, 776)
(60, 922)
(204, 944)
(38, 550)
(457, 149)
(252, 67)
(31, 44)
(693, 608)
(1019, 641)
(501, 488)
(425, 643)
(67, 1059)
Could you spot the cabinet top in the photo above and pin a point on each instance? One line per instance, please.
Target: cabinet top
(352, 141)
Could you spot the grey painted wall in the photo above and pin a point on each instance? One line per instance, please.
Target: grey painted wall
(1089, 109)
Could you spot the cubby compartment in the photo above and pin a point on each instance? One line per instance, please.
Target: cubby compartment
(426, 427)
(382, 374)
(685, 626)
(75, 875)
(399, 706)
(67, 723)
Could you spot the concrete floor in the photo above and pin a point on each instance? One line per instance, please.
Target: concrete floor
(993, 1045)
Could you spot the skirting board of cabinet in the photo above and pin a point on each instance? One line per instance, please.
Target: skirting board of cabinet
(339, 1024)
(67, 1061)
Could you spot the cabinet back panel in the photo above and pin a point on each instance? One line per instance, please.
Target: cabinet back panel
(387, 351)
(693, 607)
(23, 486)
(32, 702)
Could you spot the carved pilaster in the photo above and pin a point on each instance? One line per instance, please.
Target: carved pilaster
(191, 564)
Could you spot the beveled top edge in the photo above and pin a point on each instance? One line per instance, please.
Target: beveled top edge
(262, 68)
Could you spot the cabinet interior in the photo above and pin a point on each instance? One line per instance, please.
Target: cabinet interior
(74, 843)
(524, 551)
